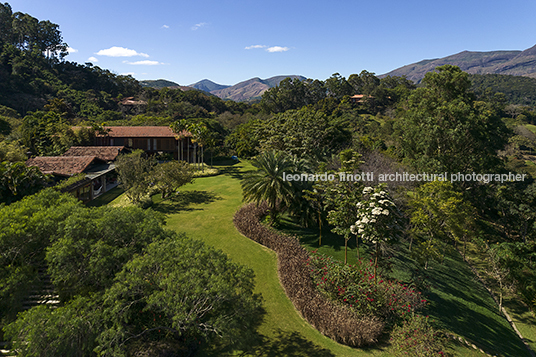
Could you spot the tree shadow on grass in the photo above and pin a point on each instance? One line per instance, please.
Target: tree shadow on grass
(289, 344)
(522, 313)
(492, 334)
(182, 201)
(233, 171)
(309, 236)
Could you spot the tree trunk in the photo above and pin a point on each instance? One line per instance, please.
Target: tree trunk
(320, 228)
(357, 244)
(203, 158)
(345, 250)
(376, 263)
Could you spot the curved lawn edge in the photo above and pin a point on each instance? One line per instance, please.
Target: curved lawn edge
(333, 321)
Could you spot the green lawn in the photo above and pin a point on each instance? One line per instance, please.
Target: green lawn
(204, 210)
(458, 302)
(519, 312)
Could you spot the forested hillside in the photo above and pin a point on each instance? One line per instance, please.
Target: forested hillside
(517, 89)
(390, 188)
(516, 63)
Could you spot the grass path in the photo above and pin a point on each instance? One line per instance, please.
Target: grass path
(204, 211)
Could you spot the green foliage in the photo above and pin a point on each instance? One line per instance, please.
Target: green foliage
(125, 281)
(245, 140)
(515, 203)
(26, 228)
(93, 245)
(304, 132)
(415, 337)
(171, 175)
(133, 170)
(438, 215)
(64, 185)
(65, 331)
(445, 129)
(267, 182)
(359, 287)
(180, 290)
(518, 260)
(18, 180)
(517, 89)
(11, 151)
(292, 94)
(49, 134)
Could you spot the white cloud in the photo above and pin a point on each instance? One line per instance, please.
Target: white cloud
(93, 59)
(277, 49)
(128, 74)
(255, 46)
(144, 63)
(71, 50)
(120, 52)
(199, 25)
(165, 26)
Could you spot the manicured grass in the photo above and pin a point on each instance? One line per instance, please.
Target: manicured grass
(458, 302)
(106, 198)
(519, 312)
(204, 210)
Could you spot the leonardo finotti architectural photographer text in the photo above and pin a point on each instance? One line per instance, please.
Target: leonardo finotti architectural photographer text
(405, 177)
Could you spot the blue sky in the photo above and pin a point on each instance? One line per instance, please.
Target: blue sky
(228, 41)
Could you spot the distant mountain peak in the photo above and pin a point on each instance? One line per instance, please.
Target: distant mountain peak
(517, 63)
(242, 91)
(207, 85)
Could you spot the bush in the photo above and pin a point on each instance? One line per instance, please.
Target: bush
(357, 287)
(337, 322)
(416, 338)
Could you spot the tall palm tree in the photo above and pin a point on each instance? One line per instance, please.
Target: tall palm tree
(267, 183)
(179, 128)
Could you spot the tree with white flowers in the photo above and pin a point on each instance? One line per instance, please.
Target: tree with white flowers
(378, 219)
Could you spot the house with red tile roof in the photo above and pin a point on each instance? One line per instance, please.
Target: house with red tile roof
(97, 175)
(105, 153)
(151, 139)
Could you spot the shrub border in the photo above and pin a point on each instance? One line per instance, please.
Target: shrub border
(334, 321)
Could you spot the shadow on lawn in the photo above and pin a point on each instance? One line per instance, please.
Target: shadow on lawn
(522, 312)
(289, 344)
(233, 171)
(182, 201)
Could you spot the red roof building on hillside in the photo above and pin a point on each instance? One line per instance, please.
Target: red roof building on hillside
(105, 153)
(360, 98)
(64, 166)
(151, 139)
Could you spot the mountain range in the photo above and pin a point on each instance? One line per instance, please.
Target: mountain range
(516, 63)
(247, 90)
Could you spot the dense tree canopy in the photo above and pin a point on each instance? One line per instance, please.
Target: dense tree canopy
(445, 129)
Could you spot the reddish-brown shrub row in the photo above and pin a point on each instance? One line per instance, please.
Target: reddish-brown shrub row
(334, 321)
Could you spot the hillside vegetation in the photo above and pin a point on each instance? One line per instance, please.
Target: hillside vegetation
(375, 195)
(517, 63)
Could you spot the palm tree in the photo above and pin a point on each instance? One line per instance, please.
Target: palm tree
(267, 183)
(179, 128)
(197, 130)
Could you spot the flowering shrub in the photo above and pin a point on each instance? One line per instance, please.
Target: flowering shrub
(416, 338)
(333, 320)
(357, 287)
(377, 217)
